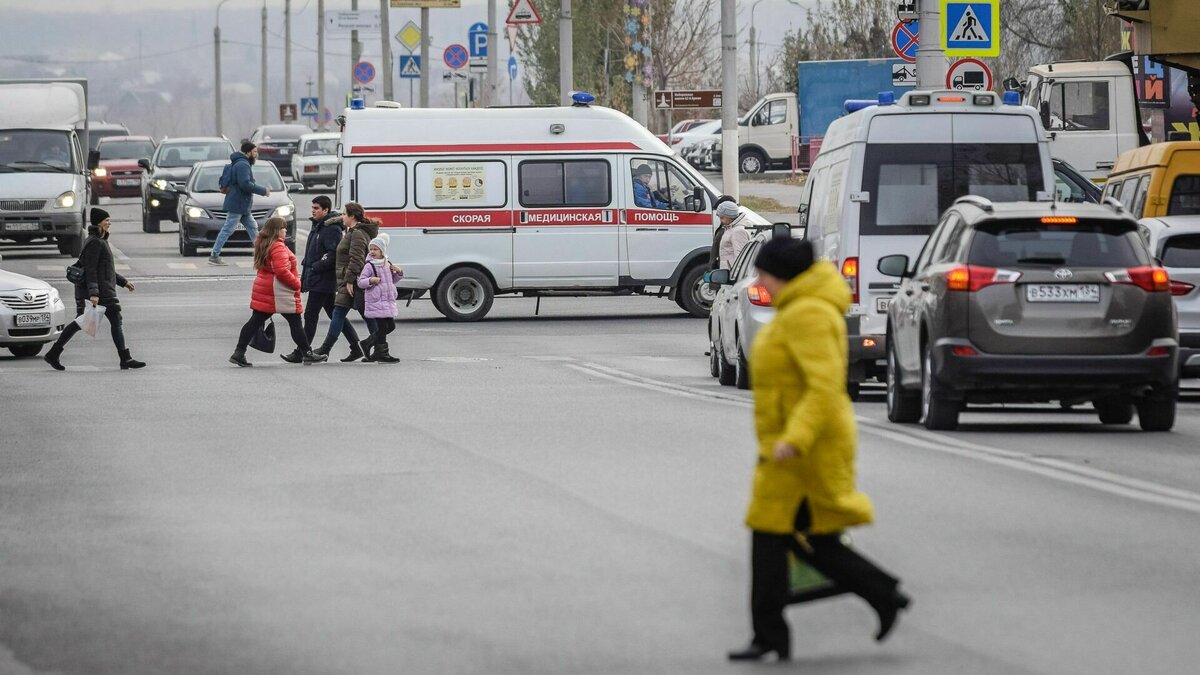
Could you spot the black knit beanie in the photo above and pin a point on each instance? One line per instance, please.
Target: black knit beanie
(785, 257)
(98, 216)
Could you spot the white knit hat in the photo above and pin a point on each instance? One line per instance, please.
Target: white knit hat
(381, 242)
(728, 210)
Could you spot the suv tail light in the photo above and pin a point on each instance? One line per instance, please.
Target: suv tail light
(759, 296)
(971, 278)
(1181, 287)
(850, 273)
(1149, 279)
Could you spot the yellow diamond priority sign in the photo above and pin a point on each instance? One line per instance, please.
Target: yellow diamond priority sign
(409, 36)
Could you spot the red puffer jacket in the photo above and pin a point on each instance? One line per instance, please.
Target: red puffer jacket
(277, 286)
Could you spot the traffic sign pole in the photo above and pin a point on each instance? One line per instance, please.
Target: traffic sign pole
(931, 60)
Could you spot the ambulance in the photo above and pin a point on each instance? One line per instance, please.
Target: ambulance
(532, 201)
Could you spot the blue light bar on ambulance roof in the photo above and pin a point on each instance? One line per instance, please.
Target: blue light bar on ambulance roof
(856, 104)
(887, 98)
(1012, 98)
(358, 104)
(582, 98)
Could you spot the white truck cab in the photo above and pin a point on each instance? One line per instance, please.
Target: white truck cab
(578, 200)
(1089, 110)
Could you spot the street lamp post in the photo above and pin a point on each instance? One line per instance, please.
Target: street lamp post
(217, 64)
(754, 48)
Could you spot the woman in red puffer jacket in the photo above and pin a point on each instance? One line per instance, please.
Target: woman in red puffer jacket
(276, 291)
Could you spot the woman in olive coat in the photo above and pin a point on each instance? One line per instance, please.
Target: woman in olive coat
(349, 259)
(804, 492)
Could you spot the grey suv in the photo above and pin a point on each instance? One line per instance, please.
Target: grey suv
(1032, 302)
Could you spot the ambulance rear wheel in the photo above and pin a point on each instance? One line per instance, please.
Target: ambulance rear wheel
(464, 294)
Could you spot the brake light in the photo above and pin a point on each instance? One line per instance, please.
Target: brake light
(850, 274)
(964, 350)
(675, 140)
(1181, 288)
(1159, 351)
(759, 296)
(971, 278)
(1149, 279)
(1059, 220)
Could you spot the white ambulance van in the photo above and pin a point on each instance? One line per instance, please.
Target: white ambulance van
(888, 170)
(532, 201)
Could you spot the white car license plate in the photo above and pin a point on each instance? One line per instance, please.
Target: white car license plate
(127, 182)
(239, 228)
(33, 320)
(1062, 292)
(882, 304)
(22, 227)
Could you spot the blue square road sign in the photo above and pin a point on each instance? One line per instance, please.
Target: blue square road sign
(971, 27)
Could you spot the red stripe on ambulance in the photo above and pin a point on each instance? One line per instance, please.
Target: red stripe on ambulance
(459, 219)
(656, 217)
(491, 147)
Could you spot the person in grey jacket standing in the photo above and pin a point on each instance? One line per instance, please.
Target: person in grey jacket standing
(239, 198)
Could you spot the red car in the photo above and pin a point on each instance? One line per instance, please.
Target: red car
(115, 170)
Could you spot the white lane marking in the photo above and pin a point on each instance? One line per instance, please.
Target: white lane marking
(123, 268)
(456, 359)
(1103, 481)
(182, 266)
(244, 263)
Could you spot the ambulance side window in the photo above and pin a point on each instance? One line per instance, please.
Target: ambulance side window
(659, 185)
(583, 182)
(381, 185)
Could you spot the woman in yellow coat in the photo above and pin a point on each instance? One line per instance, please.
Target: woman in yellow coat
(804, 489)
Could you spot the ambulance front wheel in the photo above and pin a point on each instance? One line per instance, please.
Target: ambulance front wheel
(464, 294)
(694, 295)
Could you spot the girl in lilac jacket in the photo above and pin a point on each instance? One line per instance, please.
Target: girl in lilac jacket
(378, 279)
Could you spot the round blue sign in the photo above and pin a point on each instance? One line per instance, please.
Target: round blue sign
(906, 40)
(364, 72)
(455, 56)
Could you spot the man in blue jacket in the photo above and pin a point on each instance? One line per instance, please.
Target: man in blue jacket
(319, 278)
(242, 189)
(643, 196)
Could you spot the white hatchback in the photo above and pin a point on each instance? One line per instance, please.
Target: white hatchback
(31, 313)
(1174, 241)
(316, 159)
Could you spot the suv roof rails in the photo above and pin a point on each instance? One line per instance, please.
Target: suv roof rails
(1113, 203)
(982, 203)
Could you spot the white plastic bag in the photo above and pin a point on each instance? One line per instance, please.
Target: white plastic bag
(90, 320)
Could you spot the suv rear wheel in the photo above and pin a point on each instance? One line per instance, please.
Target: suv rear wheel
(903, 407)
(939, 412)
(1156, 410)
(1114, 410)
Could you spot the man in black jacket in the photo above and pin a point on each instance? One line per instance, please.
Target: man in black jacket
(99, 286)
(319, 276)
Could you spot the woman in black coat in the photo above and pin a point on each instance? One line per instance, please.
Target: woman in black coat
(99, 286)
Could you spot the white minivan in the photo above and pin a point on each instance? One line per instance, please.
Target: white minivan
(577, 200)
(888, 170)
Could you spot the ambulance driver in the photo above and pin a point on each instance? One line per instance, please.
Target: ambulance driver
(642, 195)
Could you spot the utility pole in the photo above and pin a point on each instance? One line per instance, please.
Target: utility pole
(321, 102)
(217, 62)
(491, 90)
(931, 60)
(565, 55)
(355, 52)
(386, 67)
(426, 67)
(263, 95)
(729, 98)
(287, 52)
(753, 57)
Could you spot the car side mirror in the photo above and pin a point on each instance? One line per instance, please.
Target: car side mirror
(93, 159)
(698, 199)
(1012, 84)
(295, 187)
(781, 230)
(1044, 112)
(893, 265)
(718, 277)
(144, 163)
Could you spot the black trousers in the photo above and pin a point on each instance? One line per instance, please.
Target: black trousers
(850, 571)
(112, 314)
(318, 301)
(257, 319)
(382, 328)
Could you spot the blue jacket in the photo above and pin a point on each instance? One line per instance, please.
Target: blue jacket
(242, 188)
(320, 254)
(643, 197)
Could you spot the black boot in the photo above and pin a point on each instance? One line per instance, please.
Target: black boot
(365, 346)
(128, 362)
(51, 357)
(296, 356)
(326, 346)
(889, 612)
(239, 358)
(757, 652)
(310, 358)
(355, 353)
(382, 355)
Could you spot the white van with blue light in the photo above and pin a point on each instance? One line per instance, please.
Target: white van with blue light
(567, 201)
(889, 169)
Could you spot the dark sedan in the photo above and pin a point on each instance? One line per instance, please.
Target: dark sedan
(167, 170)
(201, 207)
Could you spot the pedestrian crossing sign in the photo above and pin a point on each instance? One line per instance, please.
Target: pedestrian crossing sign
(410, 66)
(971, 27)
(309, 106)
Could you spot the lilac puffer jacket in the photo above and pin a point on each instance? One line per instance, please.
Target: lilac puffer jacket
(380, 299)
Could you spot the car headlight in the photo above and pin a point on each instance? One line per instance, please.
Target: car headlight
(54, 297)
(285, 210)
(196, 212)
(159, 184)
(100, 172)
(65, 201)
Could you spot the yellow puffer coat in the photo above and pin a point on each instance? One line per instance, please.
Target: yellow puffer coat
(798, 372)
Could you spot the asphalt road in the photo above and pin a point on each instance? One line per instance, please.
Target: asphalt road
(551, 494)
